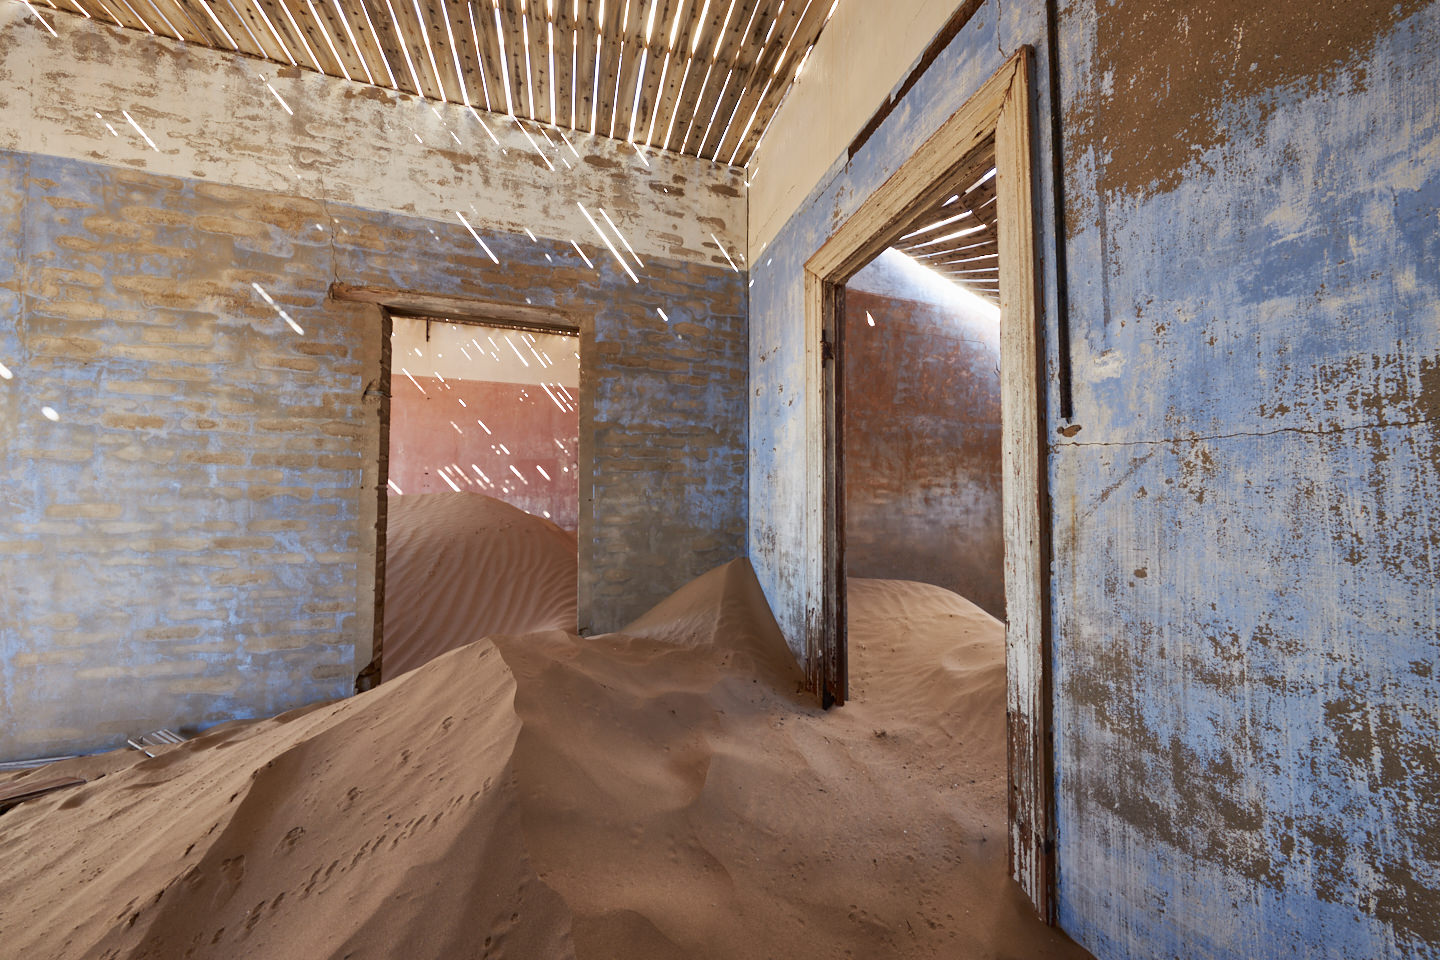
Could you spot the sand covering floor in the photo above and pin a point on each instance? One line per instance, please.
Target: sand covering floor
(661, 792)
(463, 565)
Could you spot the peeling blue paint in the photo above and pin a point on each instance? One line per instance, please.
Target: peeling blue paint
(103, 265)
(1244, 586)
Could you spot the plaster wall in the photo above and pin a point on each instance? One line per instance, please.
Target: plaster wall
(856, 62)
(193, 537)
(1244, 597)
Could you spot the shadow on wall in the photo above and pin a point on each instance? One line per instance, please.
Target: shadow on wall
(922, 432)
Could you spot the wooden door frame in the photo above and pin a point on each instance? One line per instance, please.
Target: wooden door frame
(999, 110)
(393, 302)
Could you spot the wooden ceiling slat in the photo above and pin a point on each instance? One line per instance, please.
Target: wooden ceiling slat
(731, 50)
(335, 42)
(609, 74)
(639, 110)
(587, 83)
(622, 84)
(435, 40)
(964, 218)
(663, 62)
(727, 116)
(553, 71)
(763, 115)
(670, 106)
(429, 49)
(617, 84)
(759, 80)
(339, 22)
(684, 35)
(462, 51)
(421, 53)
(472, 91)
(744, 126)
(159, 19)
(198, 23)
(361, 34)
(759, 36)
(563, 69)
(811, 20)
(710, 74)
(71, 6)
(717, 18)
(391, 29)
(302, 29)
(970, 261)
(510, 59)
(662, 43)
(522, 77)
(377, 42)
(257, 21)
(280, 27)
(708, 107)
(726, 76)
(659, 96)
(482, 31)
(701, 93)
(972, 256)
(239, 28)
(118, 12)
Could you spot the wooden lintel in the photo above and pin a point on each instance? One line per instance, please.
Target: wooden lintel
(461, 309)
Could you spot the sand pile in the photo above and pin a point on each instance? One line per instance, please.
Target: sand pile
(461, 566)
(662, 792)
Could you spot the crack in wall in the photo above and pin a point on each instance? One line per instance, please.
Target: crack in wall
(1353, 428)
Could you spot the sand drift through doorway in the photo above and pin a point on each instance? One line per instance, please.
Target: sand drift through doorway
(992, 130)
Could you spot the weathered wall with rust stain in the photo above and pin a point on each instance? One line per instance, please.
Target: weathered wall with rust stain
(193, 538)
(1244, 591)
(1247, 521)
(922, 444)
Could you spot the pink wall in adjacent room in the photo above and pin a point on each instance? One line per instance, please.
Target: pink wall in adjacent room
(436, 432)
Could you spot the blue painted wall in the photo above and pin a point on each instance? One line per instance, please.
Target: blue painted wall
(1244, 586)
(192, 538)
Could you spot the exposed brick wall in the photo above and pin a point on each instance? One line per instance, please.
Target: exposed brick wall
(670, 488)
(193, 539)
(184, 543)
(922, 449)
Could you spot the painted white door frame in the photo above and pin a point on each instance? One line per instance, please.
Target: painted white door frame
(999, 115)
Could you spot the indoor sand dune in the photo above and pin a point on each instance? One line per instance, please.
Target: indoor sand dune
(661, 792)
(460, 566)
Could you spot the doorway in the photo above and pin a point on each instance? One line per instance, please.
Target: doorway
(482, 463)
(992, 131)
(919, 434)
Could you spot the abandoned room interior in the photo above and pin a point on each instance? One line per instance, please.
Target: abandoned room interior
(719, 479)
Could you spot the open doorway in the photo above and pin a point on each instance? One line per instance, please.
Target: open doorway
(920, 425)
(990, 132)
(482, 489)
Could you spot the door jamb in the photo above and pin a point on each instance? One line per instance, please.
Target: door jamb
(1001, 109)
(391, 302)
